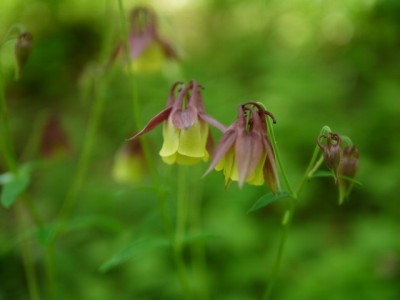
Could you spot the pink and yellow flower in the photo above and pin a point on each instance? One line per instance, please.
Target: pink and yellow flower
(245, 153)
(185, 130)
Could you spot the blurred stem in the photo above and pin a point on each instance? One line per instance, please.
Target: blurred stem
(29, 266)
(6, 140)
(84, 159)
(146, 150)
(198, 247)
(181, 221)
(278, 156)
(33, 144)
(289, 213)
(50, 273)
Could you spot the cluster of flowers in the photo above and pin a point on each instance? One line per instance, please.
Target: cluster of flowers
(244, 153)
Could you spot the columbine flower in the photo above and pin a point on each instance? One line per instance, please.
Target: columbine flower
(54, 139)
(147, 48)
(331, 151)
(347, 170)
(185, 130)
(245, 153)
(129, 164)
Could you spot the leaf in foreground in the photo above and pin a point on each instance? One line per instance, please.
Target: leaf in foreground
(135, 249)
(268, 199)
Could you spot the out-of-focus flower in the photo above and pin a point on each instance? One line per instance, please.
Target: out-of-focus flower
(245, 153)
(147, 49)
(129, 163)
(186, 133)
(22, 50)
(347, 171)
(54, 139)
(331, 151)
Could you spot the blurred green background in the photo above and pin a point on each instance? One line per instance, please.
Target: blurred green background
(312, 63)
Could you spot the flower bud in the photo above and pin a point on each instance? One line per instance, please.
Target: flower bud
(347, 171)
(331, 151)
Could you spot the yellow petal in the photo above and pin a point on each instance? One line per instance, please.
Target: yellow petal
(171, 159)
(171, 139)
(187, 160)
(150, 60)
(230, 167)
(192, 141)
(257, 177)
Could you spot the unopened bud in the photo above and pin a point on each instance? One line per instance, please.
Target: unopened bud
(347, 170)
(331, 151)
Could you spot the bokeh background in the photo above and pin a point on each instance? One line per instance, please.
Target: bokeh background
(312, 63)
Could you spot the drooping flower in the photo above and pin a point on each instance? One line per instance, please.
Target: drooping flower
(147, 49)
(331, 151)
(185, 130)
(54, 140)
(347, 171)
(245, 152)
(129, 163)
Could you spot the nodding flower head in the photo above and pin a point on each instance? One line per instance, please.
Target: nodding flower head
(347, 170)
(186, 134)
(245, 152)
(331, 151)
(130, 164)
(147, 49)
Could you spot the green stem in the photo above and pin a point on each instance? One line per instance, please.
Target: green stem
(6, 143)
(198, 247)
(29, 266)
(84, 159)
(50, 273)
(36, 217)
(182, 214)
(288, 216)
(278, 156)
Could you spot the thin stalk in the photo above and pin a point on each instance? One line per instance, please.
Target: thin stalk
(50, 273)
(182, 214)
(278, 156)
(198, 247)
(84, 159)
(29, 266)
(288, 216)
(36, 217)
(7, 142)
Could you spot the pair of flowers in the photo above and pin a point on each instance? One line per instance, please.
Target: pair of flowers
(244, 153)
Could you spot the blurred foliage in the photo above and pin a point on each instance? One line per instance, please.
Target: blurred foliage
(312, 63)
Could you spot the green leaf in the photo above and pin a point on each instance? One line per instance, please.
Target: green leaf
(268, 199)
(47, 233)
(135, 249)
(15, 184)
